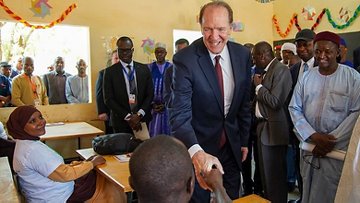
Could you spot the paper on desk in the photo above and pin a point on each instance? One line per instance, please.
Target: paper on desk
(55, 124)
(123, 157)
(335, 154)
(142, 134)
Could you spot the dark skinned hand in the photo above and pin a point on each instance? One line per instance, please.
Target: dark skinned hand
(257, 79)
(134, 122)
(324, 143)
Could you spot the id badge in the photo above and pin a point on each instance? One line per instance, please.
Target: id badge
(131, 98)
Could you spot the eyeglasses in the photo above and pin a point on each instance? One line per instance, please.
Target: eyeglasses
(313, 161)
(125, 51)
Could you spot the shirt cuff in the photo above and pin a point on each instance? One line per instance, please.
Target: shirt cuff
(127, 117)
(142, 112)
(193, 149)
(257, 88)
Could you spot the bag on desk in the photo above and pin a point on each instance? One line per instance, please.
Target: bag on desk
(118, 143)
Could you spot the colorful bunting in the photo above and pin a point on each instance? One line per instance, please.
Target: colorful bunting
(26, 23)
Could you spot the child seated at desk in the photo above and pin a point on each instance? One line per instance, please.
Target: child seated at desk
(43, 176)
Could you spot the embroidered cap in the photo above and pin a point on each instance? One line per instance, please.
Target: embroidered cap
(327, 36)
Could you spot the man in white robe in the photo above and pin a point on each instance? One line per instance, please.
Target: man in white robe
(324, 108)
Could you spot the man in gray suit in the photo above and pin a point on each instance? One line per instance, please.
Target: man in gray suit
(272, 91)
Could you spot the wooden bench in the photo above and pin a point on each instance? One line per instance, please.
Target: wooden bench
(8, 191)
(251, 199)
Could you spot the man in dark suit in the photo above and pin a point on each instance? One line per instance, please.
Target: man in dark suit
(304, 41)
(128, 90)
(272, 91)
(357, 59)
(103, 110)
(210, 110)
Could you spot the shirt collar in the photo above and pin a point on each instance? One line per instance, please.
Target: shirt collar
(224, 54)
(310, 62)
(125, 64)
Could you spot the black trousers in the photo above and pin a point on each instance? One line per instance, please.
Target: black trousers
(231, 178)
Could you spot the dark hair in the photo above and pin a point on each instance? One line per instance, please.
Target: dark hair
(216, 4)
(182, 41)
(159, 167)
(124, 39)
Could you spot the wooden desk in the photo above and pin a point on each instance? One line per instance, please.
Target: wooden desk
(69, 131)
(251, 199)
(8, 191)
(115, 171)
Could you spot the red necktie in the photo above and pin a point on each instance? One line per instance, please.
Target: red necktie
(221, 85)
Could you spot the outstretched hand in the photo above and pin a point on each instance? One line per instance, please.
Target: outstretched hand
(203, 163)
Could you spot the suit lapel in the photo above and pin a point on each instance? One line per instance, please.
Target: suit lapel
(238, 75)
(208, 69)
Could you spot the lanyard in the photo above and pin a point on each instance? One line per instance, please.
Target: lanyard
(130, 75)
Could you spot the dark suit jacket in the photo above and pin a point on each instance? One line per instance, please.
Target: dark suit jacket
(272, 98)
(357, 59)
(197, 110)
(101, 107)
(116, 96)
(168, 85)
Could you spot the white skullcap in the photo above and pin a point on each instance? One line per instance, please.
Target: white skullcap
(160, 45)
(289, 46)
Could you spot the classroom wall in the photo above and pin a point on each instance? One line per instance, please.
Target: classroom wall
(138, 19)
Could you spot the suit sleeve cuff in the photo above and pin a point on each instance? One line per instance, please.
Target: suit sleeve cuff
(193, 149)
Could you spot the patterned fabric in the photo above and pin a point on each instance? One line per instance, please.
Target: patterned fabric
(160, 122)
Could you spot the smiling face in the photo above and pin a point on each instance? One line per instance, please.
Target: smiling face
(325, 54)
(305, 49)
(36, 125)
(216, 28)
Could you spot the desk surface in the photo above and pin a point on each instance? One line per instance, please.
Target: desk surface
(70, 130)
(8, 191)
(251, 199)
(115, 171)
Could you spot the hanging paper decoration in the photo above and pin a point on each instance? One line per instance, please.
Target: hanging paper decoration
(237, 26)
(318, 19)
(40, 8)
(344, 15)
(278, 30)
(347, 24)
(294, 20)
(26, 23)
(148, 45)
(110, 44)
(308, 12)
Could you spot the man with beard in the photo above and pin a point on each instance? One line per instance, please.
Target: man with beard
(28, 89)
(77, 86)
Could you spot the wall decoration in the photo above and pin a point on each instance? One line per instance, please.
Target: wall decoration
(40, 8)
(26, 23)
(344, 15)
(237, 26)
(294, 20)
(148, 45)
(291, 23)
(347, 24)
(308, 12)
